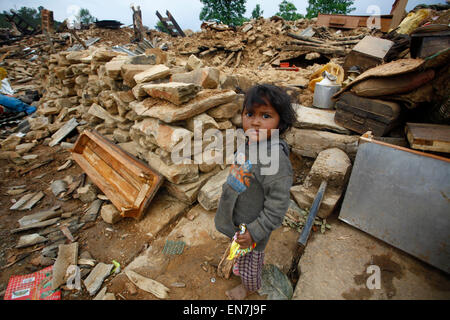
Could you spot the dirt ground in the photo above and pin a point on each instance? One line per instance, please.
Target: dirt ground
(332, 267)
(122, 242)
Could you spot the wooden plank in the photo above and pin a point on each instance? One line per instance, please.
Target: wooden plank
(364, 139)
(351, 21)
(397, 11)
(113, 178)
(430, 137)
(238, 59)
(374, 47)
(78, 38)
(228, 59)
(323, 50)
(22, 172)
(115, 164)
(180, 31)
(210, 50)
(125, 180)
(132, 164)
(117, 199)
(302, 38)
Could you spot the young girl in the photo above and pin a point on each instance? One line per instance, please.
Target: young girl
(251, 195)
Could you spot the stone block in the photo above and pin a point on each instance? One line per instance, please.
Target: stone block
(176, 173)
(187, 192)
(205, 100)
(319, 119)
(113, 68)
(194, 63)
(143, 59)
(210, 193)
(233, 81)
(165, 136)
(128, 71)
(88, 193)
(10, 143)
(121, 135)
(333, 166)
(152, 73)
(208, 78)
(175, 92)
(225, 111)
(96, 277)
(310, 143)
(110, 214)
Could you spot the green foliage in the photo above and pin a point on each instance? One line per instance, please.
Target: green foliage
(288, 11)
(230, 12)
(160, 27)
(3, 22)
(257, 12)
(30, 15)
(329, 7)
(85, 17)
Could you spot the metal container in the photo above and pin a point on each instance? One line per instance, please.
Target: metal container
(324, 90)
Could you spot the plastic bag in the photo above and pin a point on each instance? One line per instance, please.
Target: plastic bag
(235, 249)
(413, 20)
(35, 286)
(330, 67)
(6, 87)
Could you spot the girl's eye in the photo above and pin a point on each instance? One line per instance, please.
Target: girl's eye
(249, 114)
(266, 116)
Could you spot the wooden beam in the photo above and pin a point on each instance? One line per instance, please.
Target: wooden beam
(308, 39)
(230, 56)
(78, 38)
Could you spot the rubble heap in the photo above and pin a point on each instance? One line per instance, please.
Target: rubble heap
(153, 104)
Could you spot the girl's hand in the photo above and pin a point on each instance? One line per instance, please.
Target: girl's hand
(245, 240)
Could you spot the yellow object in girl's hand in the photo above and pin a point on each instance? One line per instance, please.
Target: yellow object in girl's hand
(235, 249)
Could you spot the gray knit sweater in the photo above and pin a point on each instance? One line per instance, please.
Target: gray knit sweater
(256, 194)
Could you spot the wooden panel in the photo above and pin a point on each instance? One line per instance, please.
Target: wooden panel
(126, 181)
(115, 164)
(134, 166)
(431, 137)
(374, 47)
(112, 177)
(109, 191)
(351, 22)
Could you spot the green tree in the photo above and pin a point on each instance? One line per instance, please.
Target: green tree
(329, 7)
(30, 15)
(288, 11)
(257, 12)
(4, 23)
(85, 17)
(160, 27)
(230, 12)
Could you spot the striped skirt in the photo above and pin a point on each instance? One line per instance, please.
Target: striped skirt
(249, 268)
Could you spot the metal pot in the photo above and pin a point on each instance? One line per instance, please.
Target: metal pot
(324, 90)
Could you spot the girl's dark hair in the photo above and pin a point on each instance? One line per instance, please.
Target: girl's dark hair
(277, 97)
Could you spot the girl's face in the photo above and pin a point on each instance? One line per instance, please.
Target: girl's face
(263, 117)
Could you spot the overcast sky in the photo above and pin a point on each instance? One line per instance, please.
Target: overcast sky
(186, 12)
